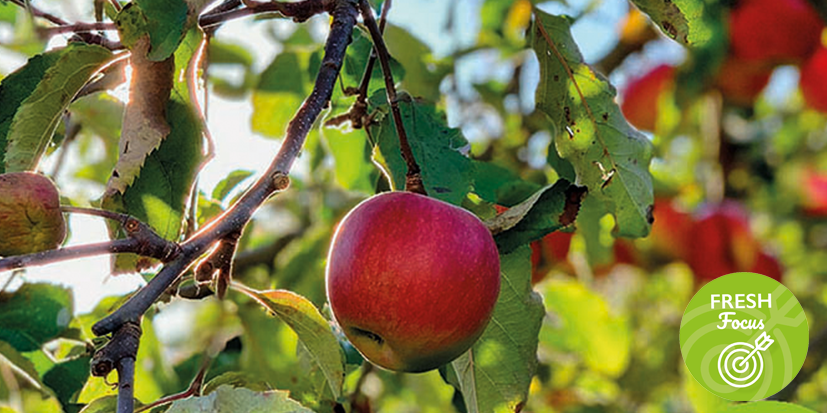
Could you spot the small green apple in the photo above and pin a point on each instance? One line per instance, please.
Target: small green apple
(412, 280)
(30, 216)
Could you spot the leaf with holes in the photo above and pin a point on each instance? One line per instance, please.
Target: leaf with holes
(610, 157)
(35, 97)
(495, 374)
(685, 21)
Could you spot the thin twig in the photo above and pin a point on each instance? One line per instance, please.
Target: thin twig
(413, 179)
(77, 28)
(86, 37)
(299, 11)
(194, 388)
(358, 112)
(39, 13)
(234, 219)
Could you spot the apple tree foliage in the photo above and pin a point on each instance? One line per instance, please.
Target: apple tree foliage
(535, 130)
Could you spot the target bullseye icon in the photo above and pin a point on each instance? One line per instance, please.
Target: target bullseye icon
(741, 362)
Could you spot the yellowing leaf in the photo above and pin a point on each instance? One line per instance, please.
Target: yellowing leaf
(313, 330)
(583, 324)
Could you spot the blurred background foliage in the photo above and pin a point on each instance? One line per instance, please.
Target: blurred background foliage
(740, 182)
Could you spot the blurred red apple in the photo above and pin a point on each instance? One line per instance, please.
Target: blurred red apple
(722, 242)
(775, 31)
(412, 280)
(815, 193)
(741, 81)
(768, 265)
(550, 252)
(812, 84)
(640, 98)
(671, 230)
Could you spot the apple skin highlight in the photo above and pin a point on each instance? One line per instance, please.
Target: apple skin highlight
(412, 280)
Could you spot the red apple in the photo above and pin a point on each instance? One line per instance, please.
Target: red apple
(549, 252)
(815, 193)
(776, 31)
(812, 84)
(722, 242)
(768, 265)
(30, 216)
(671, 230)
(412, 280)
(741, 81)
(640, 98)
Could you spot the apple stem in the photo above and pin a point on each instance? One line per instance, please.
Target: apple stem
(413, 179)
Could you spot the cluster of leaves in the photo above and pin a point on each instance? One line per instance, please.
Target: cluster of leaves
(576, 342)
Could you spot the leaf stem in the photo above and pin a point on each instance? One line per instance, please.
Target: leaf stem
(413, 179)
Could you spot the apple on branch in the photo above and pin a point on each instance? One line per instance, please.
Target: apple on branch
(30, 216)
(412, 280)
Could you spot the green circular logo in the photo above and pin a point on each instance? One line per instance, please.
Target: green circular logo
(744, 336)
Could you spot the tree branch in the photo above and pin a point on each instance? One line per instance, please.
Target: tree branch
(86, 37)
(413, 179)
(120, 353)
(141, 240)
(274, 179)
(77, 28)
(299, 11)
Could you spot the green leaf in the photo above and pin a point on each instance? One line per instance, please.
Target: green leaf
(351, 156)
(239, 400)
(610, 157)
(8, 12)
(685, 21)
(235, 379)
(15, 88)
(495, 374)
(412, 53)
(34, 314)
(279, 93)
(67, 378)
(37, 117)
(221, 52)
(500, 185)
(313, 330)
(590, 226)
(164, 20)
(20, 362)
(160, 193)
(582, 323)
(766, 407)
(548, 210)
(223, 188)
(356, 59)
(446, 172)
